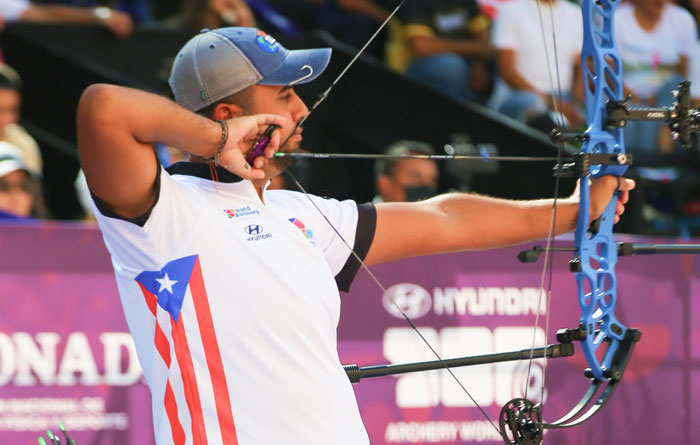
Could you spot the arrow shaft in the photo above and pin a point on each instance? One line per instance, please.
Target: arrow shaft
(414, 156)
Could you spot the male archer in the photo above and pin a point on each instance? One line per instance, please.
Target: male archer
(231, 291)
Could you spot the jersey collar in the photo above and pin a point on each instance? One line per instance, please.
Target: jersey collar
(203, 171)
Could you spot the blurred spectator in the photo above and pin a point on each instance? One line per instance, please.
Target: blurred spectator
(211, 14)
(303, 13)
(162, 9)
(526, 66)
(403, 180)
(117, 22)
(656, 40)
(449, 46)
(693, 7)
(19, 186)
(10, 130)
(272, 19)
(355, 21)
(138, 10)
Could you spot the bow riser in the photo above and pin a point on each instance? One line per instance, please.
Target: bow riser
(596, 251)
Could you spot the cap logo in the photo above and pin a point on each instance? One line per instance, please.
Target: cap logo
(266, 42)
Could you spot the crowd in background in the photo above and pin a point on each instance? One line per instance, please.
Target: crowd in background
(499, 54)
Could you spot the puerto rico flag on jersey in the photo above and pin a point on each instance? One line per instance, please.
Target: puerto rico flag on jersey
(166, 291)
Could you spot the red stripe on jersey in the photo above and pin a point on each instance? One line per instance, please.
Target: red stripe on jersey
(162, 345)
(160, 340)
(213, 355)
(151, 300)
(189, 380)
(171, 411)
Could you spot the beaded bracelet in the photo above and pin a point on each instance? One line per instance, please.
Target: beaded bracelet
(222, 144)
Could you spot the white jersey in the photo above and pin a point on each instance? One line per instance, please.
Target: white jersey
(233, 305)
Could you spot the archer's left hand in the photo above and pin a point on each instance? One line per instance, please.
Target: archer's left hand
(601, 191)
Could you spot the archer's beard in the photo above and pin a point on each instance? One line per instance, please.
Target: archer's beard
(285, 163)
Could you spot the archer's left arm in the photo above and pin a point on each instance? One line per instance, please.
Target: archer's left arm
(458, 221)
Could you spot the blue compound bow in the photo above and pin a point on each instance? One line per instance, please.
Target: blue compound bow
(606, 343)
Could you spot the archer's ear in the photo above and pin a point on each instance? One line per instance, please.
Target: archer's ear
(225, 111)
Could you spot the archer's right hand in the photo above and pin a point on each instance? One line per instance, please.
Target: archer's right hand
(243, 133)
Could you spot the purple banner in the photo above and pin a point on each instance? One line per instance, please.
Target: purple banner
(485, 302)
(65, 352)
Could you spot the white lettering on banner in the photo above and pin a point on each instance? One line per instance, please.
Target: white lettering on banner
(511, 301)
(488, 384)
(7, 359)
(416, 302)
(39, 357)
(114, 343)
(440, 431)
(77, 358)
(41, 413)
(28, 360)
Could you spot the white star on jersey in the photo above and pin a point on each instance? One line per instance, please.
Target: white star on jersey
(166, 283)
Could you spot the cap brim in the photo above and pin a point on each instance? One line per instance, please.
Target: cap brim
(300, 66)
(10, 165)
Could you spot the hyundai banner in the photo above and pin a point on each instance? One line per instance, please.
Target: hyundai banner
(66, 355)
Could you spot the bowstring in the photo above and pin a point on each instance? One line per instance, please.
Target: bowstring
(548, 266)
(321, 98)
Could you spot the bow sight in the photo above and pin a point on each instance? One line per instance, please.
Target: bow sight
(680, 117)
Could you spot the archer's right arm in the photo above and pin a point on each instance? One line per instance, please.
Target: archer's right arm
(117, 125)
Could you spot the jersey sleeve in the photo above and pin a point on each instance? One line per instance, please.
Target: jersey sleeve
(142, 241)
(354, 228)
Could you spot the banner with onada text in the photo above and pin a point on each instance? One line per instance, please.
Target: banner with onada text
(66, 355)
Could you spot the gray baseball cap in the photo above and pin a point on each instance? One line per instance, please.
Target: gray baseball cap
(218, 63)
(11, 160)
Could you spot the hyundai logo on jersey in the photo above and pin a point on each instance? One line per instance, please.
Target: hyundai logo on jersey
(253, 229)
